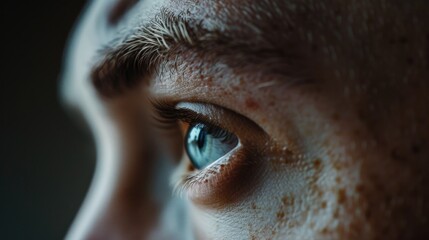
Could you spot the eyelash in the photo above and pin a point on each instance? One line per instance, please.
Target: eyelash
(167, 117)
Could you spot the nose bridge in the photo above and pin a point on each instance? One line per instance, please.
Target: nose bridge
(103, 214)
(119, 202)
(123, 202)
(130, 186)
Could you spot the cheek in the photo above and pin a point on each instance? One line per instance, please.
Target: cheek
(275, 207)
(288, 195)
(356, 186)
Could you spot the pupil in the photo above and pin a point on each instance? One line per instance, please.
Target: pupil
(201, 137)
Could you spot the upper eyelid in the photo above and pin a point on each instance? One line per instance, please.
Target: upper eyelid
(168, 112)
(212, 114)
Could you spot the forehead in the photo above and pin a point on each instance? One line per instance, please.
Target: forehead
(335, 40)
(252, 17)
(317, 39)
(303, 29)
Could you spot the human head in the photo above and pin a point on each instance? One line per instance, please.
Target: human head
(326, 98)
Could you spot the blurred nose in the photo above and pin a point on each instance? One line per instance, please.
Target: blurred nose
(119, 204)
(128, 190)
(130, 186)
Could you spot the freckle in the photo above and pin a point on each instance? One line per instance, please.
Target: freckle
(280, 215)
(253, 206)
(206, 180)
(323, 205)
(209, 81)
(235, 88)
(341, 196)
(191, 168)
(324, 231)
(288, 201)
(337, 166)
(359, 188)
(251, 104)
(337, 179)
(336, 213)
(317, 163)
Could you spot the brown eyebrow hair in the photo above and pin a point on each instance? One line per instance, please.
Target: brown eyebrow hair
(140, 53)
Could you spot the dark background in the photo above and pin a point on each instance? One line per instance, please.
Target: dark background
(46, 159)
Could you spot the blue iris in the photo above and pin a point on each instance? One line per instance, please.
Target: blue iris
(205, 144)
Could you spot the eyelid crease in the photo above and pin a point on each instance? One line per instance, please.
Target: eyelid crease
(168, 113)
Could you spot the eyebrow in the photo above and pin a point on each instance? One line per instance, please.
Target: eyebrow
(128, 62)
(140, 52)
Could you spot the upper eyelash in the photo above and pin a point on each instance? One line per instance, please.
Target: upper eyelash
(163, 112)
(166, 115)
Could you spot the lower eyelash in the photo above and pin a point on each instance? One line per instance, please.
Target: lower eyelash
(223, 182)
(184, 180)
(188, 174)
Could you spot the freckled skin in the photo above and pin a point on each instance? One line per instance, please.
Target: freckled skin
(343, 155)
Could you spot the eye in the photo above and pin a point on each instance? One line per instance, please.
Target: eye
(219, 161)
(205, 144)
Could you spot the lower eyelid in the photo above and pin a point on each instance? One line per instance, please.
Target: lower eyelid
(223, 182)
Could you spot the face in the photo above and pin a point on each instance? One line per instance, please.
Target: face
(253, 119)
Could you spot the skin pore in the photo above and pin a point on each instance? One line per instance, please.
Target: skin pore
(327, 98)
